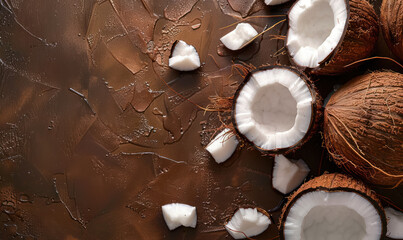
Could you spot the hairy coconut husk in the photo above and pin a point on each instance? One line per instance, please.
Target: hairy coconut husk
(317, 111)
(392, 25)
(334, 182)
(363, 127)
(360, 35)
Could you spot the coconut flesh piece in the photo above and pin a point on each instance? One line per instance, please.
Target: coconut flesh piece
(237, 38)
(273, 109)
(288, 175)
(184, 57)
(395, 223)
(179, 214)
(274, 2)
(222, 146)
(247, 221)
(336, 215)
(315, 29)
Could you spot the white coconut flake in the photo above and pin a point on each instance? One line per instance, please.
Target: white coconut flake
(395, 223)
(316, 27)
(222, 146)
(247, 221)
(336, 215)
(179, 214)
(274, 109)
(237, 38)
(274, 2)
(184, 57)
(288, 174)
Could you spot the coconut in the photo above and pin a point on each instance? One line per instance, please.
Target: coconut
(184, 57)
(179, 214)
(335, 206)
(222, 146)
(239, 37)
(392, 25)
(363, 127)
(324, 35)
(276, 109)
(248, 222)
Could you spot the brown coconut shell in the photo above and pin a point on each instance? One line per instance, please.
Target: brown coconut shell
(316, 118)
(392, 25)
(357, 42)
(363, 127)
(334, 182)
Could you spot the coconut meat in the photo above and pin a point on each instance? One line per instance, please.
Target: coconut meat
(247, 221)
(274, 109)
(315, 29)
(288, 174)
(237, 38)
(184, 57)
(222, 146)
(336, 215)
(395, 223)
(179, 214)
(274, 2)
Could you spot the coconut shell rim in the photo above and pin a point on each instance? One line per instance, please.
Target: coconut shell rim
(316, 104)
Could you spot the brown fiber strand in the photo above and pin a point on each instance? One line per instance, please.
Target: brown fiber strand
(277, 23)
(371, 58)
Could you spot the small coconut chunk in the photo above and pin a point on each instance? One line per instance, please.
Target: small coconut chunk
(395, 223)
(179, 214)
(288, 174)
(184, 57)
(236, 39)
(274, 2)
(249, 221)
(222, 146)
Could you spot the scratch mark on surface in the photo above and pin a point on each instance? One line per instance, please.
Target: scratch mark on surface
(152, 153)
(84, 98)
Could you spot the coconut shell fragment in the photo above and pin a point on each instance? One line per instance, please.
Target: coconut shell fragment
(363, 127)
(334, 186)
(392, 25)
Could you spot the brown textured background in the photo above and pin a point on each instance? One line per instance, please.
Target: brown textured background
(92, 142)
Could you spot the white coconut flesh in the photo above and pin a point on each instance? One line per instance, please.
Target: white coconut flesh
(322, 215)
(315, 29)
(238, 38)
(184, 57)
(273, 110)
(288, 174)
(274, 2)
(395, 223)
(222, 146)
(247, 221)
(179, 214)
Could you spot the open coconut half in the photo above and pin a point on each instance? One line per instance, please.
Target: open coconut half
(335, 206)
(248, 222)
(276, 108)
(325, 35)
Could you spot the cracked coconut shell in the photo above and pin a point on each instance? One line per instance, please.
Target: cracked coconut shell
(392, 25)
(363, 127)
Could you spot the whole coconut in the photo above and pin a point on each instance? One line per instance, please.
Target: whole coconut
(392, 25)
(363, 127)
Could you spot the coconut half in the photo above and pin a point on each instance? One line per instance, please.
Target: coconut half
(335, 206)
(395, 223)
(288, 174)
(276, 109)
(179, 214)
(325, 35)
(184, 57)
(236, 39)
(222, 146)
(248, 222)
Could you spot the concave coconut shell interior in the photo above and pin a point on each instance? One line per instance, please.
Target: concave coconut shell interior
(392, 25)
(358, 41)
(363, 127)
(334, 182)
(317, 111)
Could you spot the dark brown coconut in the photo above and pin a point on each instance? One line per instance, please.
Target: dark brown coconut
(392, 25)
(363, 127)
(316, 110)
(358, 41)
(334, 182)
